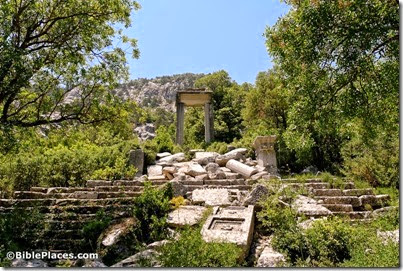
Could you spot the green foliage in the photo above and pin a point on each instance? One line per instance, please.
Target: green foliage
(66, 156)
(375, 160)
(192, 251)
(339, 73)
(93, 229)
(219, 147)
(151, 209)
(18, 231)
(58, 52)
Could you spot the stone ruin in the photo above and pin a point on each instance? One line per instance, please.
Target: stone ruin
(194, 98)
(231, 183)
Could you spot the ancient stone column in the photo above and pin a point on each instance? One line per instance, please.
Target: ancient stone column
(136, 159)
(265, 153)
(243, 169)
(180, 117)
(208, 122)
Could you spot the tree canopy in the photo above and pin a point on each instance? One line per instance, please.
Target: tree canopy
(58, 59)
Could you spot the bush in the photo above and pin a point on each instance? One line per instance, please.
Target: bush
(151, 209)
(93, 229)
(19, 230)
(68, 156)
(192, 251)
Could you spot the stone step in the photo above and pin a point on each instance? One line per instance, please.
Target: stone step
(39, 189)
(225, 182)
(375, 200)
(190, 188)
(70, 245)
(327, 192)
(358, 192)
(355, 214)
(52, 225)
(354, 201)
(119, 188)
(105, 195)
(52, 190)
(308, 185)
(94, 183)
(64, 234)
(127, 183)
(339, 207)
(90, 209)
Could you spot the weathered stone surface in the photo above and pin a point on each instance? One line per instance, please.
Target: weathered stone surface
(195, 169)
(203, 158)
(258, 193)
(169, 172)
(115, 232)
(201, 178)
(189, 180)
(136, 159)
(243, 169)
(113, 241)
(328, 192)
(270, 258)
(154, 170)
(234, 154)
(84, 195)
(93, 183)
(354, 201)
(163, 154)
(265, 153)
(233, 224)
(309, 207)
(358, 192)
(28, 263)
(232, 175)
(258, 175)
(136, 259)
(178, 189)
(94, 263)
(212, 167)
(185, 215)
(211, 197)
(218, 174)
(158, 244)
(177, 157)
(387, 236)
(374, 200)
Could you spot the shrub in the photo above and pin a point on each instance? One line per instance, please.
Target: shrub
(93, 229)
(192, 251)
(151, 209)
(19, 230)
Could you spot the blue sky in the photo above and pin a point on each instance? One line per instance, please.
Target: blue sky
(202, 36)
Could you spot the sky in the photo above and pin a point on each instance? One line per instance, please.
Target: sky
(202, 36)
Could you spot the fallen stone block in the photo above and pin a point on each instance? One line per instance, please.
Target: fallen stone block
(238, 167)
(374, 200)
(203, 158)
(328, 192)
(195, 169)
(258, 175)
(354, 201)
(84, 195)
(358, 192)
(175, 158)
(258, 193)
(154, 170)
(309, 207)
(232, 175)
(178, 189)
(185, 215)
(233, 224)
(236, 154)
(211, 197)
(270, 258)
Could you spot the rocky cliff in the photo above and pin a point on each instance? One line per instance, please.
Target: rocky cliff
(159, 91)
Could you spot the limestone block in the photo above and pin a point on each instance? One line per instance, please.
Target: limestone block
(232, 224)
(309, 207)
(211, 197)
(258, 193)
(136, 159)
(270, 258)
(238, 167)
(203, 158)
(177, 157)
(236, 154)
(185, 215)
(195, 169)
(154, 170)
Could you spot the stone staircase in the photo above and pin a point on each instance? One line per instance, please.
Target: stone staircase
(346, 200)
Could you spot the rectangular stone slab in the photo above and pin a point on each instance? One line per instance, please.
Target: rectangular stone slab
(232, 224)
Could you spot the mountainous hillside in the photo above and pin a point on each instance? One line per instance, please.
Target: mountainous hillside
(159, 91)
